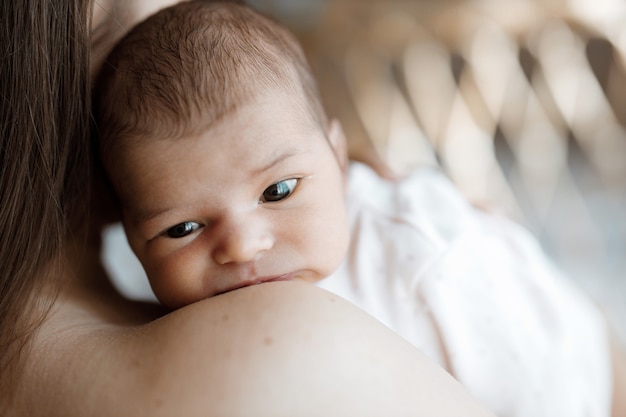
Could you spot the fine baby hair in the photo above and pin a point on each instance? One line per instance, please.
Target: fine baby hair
(187, 66)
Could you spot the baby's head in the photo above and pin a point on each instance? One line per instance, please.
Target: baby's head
(215, 140)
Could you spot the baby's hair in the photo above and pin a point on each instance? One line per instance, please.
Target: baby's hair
(185, 67)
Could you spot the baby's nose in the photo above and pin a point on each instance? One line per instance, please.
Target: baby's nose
(241, 240)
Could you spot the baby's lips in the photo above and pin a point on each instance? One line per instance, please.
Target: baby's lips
(262, 280)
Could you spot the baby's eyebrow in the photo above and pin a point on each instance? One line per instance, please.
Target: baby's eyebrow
(281, 156)
(143, 215)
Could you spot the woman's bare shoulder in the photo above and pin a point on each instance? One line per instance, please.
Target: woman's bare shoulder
(273, 349)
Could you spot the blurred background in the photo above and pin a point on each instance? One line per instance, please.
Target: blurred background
(521, 102)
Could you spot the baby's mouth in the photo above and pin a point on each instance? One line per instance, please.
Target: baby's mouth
(261, 280)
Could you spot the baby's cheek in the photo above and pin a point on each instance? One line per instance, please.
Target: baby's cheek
(332, 237)
(177, 281)
(340, 243)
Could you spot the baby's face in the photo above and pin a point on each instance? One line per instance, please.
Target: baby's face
(257, 198)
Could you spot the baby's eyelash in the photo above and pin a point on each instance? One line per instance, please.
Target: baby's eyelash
(279, 191)
(181, 230)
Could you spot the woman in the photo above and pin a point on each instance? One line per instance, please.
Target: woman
(72, 346)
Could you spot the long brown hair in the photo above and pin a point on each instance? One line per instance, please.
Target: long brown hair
(44, 140)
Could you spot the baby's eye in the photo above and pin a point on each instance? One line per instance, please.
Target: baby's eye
(279, 191)
(182, 229)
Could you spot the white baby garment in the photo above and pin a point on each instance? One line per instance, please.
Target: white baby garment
(475, 293)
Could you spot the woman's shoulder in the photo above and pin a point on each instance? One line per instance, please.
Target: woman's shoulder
(273, 349)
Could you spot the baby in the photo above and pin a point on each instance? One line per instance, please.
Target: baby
(229, 173)
(227, 170)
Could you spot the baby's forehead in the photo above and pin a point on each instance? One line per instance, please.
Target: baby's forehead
(267, 108)
(253, 136)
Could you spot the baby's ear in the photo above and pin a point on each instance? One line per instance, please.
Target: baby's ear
(337, 141)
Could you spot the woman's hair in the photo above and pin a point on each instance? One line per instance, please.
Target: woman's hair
(185, 67)
(44, 159)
